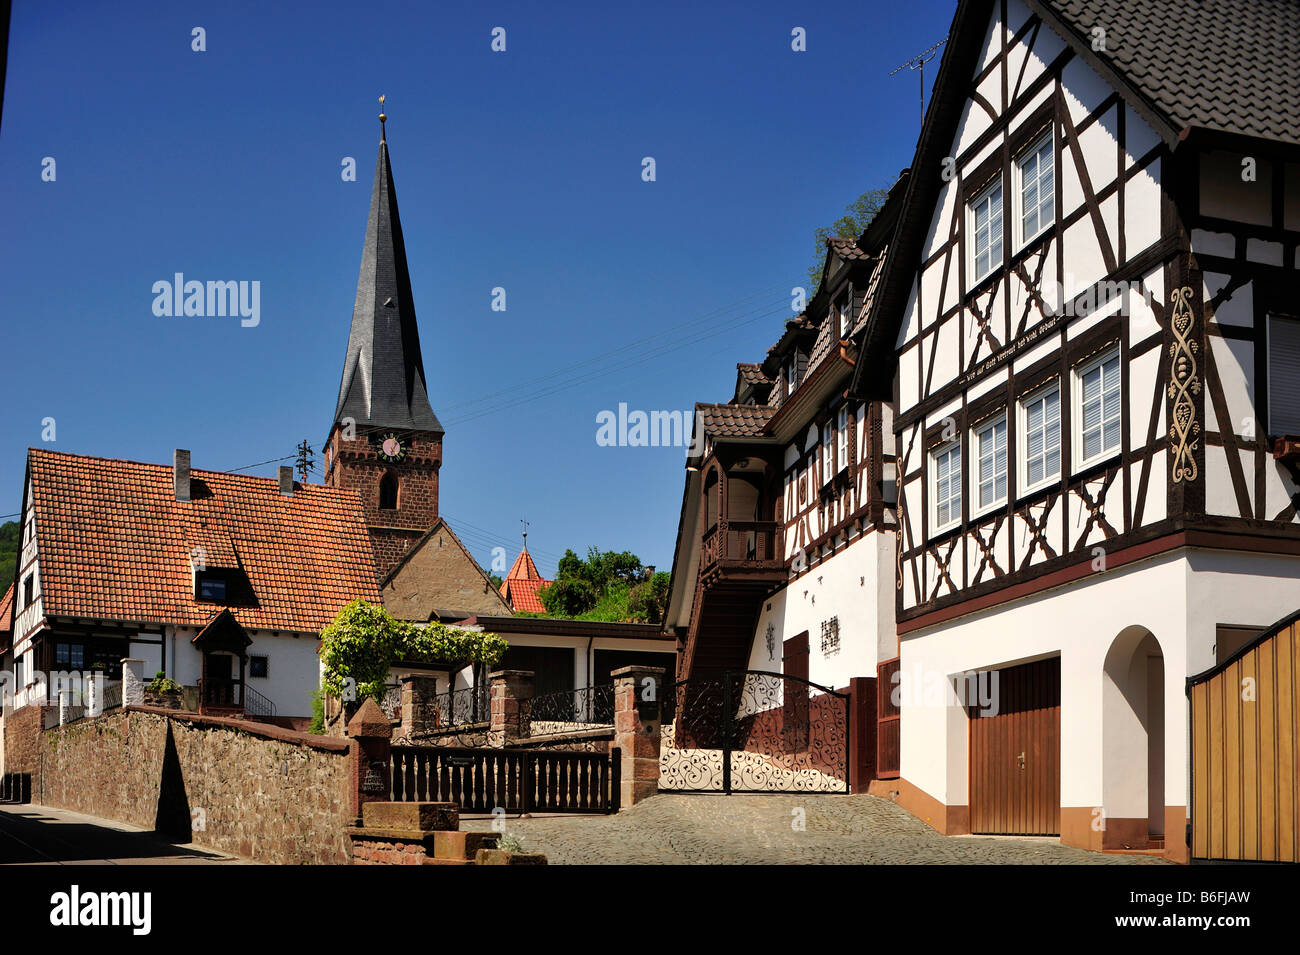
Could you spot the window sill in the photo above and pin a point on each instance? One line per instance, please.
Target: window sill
(1086, 469)
(990, 508)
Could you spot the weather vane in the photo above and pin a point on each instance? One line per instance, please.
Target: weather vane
(383, 118)
(525, 523)
(918, 63)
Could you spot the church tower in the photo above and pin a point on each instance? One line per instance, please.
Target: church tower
(385, 441)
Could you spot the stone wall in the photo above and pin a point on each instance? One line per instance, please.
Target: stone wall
(254, 790)
(441, 576)
(22, 741)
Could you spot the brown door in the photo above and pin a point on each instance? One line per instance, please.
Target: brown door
(794, 693)
(218, 686)
(1015, 752)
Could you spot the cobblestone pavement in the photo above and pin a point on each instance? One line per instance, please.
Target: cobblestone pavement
(758, 830)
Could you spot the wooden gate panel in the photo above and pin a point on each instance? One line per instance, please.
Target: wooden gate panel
(1015, 754)
(1245, 734)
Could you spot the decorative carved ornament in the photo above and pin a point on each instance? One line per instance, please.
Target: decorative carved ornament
(1184, 383)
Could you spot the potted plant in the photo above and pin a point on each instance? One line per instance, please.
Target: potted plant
(160, 691)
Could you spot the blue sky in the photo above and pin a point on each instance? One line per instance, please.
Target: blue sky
(519, 170)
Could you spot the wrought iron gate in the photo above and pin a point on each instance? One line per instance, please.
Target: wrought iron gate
(754, 731)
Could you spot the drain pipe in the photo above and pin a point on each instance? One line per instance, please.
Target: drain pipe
(590, 681)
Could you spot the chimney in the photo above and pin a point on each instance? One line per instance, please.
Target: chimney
(286, 481)
(181, 474)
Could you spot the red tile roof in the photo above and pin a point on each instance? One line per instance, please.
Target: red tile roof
(7, 610)
(523, 584)
(115, 544)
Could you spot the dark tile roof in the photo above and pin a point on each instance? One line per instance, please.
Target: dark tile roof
(847, 249)
(115, 544)
(1230, 66)
(383, 375)
(733, 421)
(753, 374)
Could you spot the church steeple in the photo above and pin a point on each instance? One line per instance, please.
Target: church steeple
(385, 441)
(383, 381)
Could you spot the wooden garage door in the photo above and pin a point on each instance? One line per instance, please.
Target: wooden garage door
(1015, 755)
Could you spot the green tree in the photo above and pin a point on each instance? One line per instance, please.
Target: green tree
(604, 586)
(8, 553)
(857, 216)
(648, 601)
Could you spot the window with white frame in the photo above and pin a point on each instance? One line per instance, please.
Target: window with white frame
(842, 438)
(945, 466)
(1040, 437)
(1097, 408)
(1036, 188)
(1283, 375)
(828, 452)
(985, 220)
(991, 462)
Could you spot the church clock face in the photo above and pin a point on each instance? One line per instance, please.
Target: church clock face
(391, 449)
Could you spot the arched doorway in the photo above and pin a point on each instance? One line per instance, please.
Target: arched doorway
(1133, 742)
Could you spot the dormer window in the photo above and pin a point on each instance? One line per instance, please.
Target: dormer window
(210, 587)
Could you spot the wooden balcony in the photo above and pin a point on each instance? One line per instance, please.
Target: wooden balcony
(742, 550)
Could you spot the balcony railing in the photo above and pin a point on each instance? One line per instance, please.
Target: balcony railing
(740, 542)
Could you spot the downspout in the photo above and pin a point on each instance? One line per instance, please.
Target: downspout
(590, 682)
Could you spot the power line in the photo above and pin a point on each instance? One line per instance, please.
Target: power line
(567, 369)
(605, 372)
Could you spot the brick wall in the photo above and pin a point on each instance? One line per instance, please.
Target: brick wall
(356, 465)
(267, 794)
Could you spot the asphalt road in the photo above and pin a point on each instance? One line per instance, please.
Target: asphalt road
(38, 835)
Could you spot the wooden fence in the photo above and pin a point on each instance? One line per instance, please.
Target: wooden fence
(516, 780)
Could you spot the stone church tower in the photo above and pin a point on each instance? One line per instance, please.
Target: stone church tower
(385, 441)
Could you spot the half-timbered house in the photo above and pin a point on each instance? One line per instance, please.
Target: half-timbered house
(785, 551)
(1091, 306)
(221, 581)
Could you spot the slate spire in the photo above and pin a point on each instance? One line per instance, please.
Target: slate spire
(383, 375)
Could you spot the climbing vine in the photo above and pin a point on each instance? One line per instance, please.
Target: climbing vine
(364, 641)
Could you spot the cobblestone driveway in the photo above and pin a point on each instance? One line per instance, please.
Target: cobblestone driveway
(757, 830)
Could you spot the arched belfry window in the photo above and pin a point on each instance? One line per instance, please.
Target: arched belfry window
(388, 491)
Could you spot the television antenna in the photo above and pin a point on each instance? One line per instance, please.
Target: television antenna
(918, 63)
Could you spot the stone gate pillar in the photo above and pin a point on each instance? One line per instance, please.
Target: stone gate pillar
(638, 691)
(132, 682)
(510, 692)
(371, 735)
(419, 705)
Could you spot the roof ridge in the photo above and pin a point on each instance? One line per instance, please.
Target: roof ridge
(49, 452)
